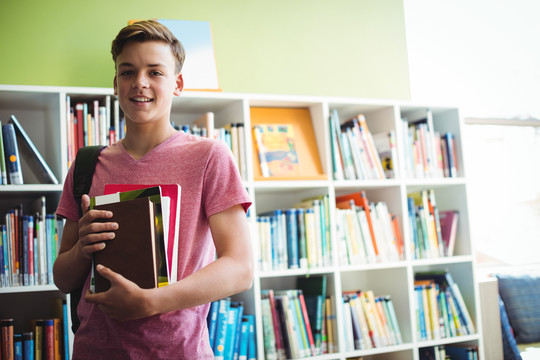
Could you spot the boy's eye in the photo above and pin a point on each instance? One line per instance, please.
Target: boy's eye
(126, 72)
(157, 73)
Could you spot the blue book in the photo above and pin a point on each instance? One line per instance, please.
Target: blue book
(221, 328)
(232, 324)
(3, 238)
(49, 240)
(25, 252)
(292, 239)
(244, 338)
(11, 151)
(252, 347)
(211, 321)
(18, 347)
(302, 240)
(66, 329)
(236, 349)
(32, 154)
(412, 223)
(28, 346)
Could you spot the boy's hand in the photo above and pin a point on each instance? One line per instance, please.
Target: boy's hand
(92, 234)
(125, 300)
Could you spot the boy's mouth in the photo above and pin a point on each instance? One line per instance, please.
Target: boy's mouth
(141, 99)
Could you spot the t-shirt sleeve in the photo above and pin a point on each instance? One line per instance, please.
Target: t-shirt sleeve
(223, 187)
(67, 206)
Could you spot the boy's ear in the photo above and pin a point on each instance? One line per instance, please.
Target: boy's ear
(114, 85)
(179, 85)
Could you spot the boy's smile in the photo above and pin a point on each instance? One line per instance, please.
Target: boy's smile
(146, 81)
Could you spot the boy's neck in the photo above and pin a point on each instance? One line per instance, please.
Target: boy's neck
(138, 143)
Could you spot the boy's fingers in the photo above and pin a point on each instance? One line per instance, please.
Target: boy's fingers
(85, 203)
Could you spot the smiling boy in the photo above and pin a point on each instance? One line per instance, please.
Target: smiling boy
(215, 258)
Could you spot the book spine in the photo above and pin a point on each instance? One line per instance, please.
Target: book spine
(12, 155)
(7, 339)
(292, 239)
(3, 169)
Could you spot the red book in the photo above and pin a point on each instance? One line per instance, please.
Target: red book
(306, 320)
(80, 124)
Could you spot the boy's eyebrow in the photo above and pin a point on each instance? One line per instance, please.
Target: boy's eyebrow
(127, 64)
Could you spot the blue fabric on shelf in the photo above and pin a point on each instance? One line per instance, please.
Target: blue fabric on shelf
(521, 296)
(510, 348)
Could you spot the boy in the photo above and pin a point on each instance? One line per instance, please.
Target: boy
(127, 322)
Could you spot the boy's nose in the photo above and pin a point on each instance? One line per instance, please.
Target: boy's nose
(140, 81)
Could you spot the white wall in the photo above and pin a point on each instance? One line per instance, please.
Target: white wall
(480, 55)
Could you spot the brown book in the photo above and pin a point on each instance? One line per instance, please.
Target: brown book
(132, 252)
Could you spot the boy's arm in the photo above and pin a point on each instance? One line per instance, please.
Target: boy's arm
(232, 272)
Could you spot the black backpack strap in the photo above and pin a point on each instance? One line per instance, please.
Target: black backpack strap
(85, 164)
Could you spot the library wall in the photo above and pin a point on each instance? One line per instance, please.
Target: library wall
(338, 48)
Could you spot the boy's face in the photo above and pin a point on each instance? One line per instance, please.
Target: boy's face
(146, 81)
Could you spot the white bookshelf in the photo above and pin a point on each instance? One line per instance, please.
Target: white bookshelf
(41, 110)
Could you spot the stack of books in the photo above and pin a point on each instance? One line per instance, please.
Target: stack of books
(295, 238)
(369, 321)
(357, 154)
(428, 153)
(367, 232)
(441, 311)
(29, 245)
(299, 323)
(433, 232)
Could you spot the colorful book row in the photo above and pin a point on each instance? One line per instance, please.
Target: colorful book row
(46, 339)
(28, 248)
(357, 154)
(363, 227)
(92, 123)
(295, 238)
(428, 153)
(297, 325)
(433, 232)
(450, 352)
(231, 331)
(369, 321)
(441, 311)
(14, 141)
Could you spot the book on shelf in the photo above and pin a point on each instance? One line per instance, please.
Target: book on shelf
(426, 230)
(286, 325)
(449, 225)
(428, 153)
(445, 289)
(357, 153)
(385, 143)
(133, 251)
(295, 237)
(313, 289)
(308, 165)
(367, 231)
(28, 247)
(370, 320)
(3, 168)
(229, 330)
(206, 122)
(36, 161)
(277, 150)
(11, 152)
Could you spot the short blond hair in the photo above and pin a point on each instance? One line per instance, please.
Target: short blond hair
(149, 30)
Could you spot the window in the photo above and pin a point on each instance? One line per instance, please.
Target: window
(503, 171)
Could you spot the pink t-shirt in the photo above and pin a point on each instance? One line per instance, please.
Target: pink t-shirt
(210, 183)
